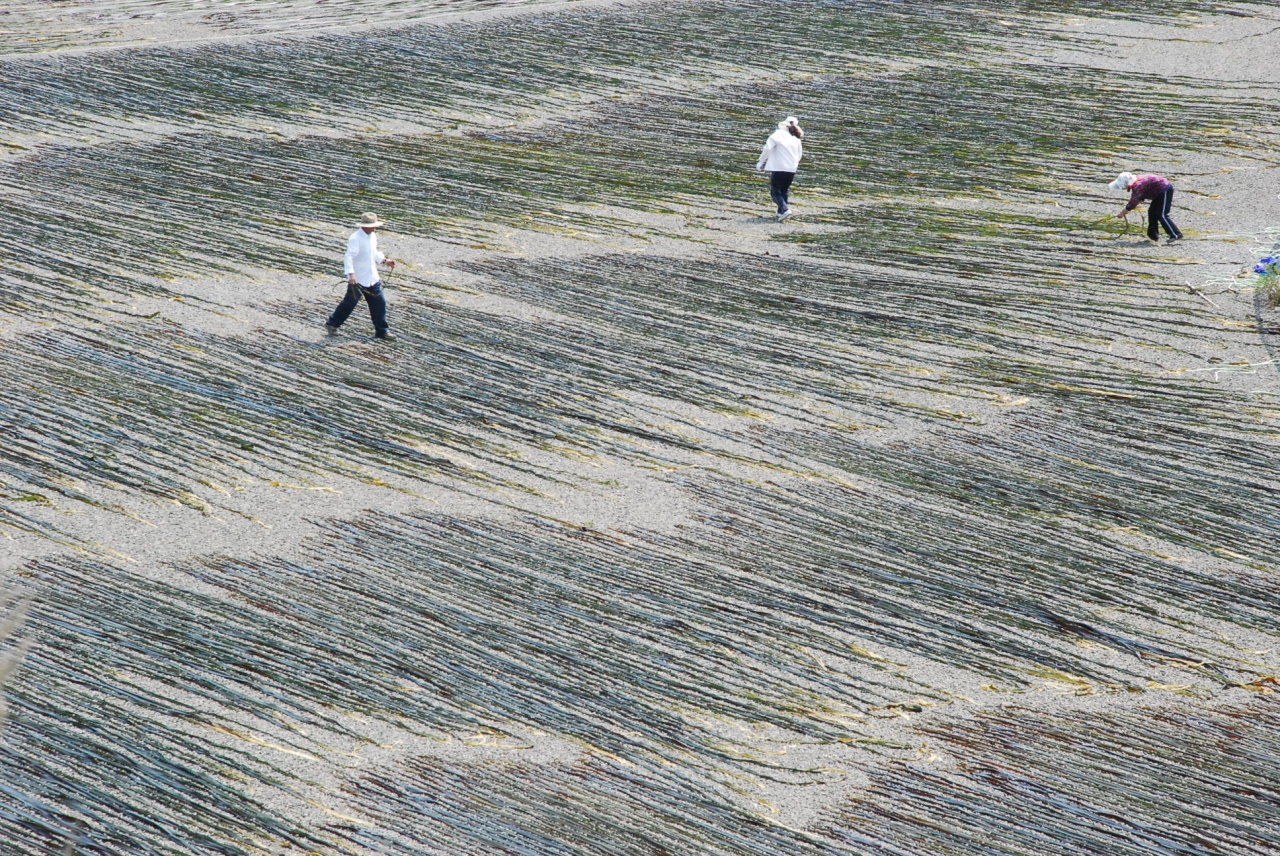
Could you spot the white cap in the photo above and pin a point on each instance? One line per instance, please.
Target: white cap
(1123, 180)
(792, 120)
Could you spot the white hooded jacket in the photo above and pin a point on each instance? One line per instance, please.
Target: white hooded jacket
(782, 152)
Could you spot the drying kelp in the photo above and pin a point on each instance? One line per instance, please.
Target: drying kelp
(1156, 781)
(675, 658)
(154, 427)
(223, 189)
(852, 342)
(942, 451)
(1022, 602)
(38, 27)
(500, 69)
(848, 344)
(592, 806)
(652, 684)
(12, 612)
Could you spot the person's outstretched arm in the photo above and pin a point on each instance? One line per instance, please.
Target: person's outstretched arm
(764, 153)
(1135, 195)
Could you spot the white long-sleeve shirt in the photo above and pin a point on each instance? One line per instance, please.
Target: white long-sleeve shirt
(782, 152)
(362, 257)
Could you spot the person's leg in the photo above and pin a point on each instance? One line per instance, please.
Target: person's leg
(784, 189)
(377, 307)
(775, 190)
(1170, 229)
(344, 308)
(1153, 216)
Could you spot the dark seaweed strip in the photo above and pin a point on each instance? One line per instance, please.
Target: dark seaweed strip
(589, 806)
(1028, 579)
(1152, 782)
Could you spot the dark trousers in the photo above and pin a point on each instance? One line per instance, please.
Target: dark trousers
(1158, 215)
(377, 306)
(780, 187)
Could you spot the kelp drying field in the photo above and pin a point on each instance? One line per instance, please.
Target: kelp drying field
(39, 26)
(975, 543)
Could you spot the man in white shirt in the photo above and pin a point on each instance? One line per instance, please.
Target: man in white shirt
(781, 156)
(361, 267)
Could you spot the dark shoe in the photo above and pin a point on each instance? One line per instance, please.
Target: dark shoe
(385, 334)
(1174, 238)
(330, 329)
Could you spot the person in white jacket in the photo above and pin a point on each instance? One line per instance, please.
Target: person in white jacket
(781, 156)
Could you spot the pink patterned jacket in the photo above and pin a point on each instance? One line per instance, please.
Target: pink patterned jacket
(1146, 187)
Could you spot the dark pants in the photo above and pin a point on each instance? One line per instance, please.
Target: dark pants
(779, 187)
(377, 306)
(1158, 215)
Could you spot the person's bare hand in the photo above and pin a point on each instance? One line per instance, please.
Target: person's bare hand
(351, 279)
(1123, 214)
(391, 263)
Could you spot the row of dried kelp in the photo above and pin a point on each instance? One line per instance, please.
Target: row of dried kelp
(1169, 780)
(937, 302)
(194, 178)
(686, 660)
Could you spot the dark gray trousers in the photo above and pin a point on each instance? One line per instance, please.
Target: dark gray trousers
(780, 188)
(1158, 215)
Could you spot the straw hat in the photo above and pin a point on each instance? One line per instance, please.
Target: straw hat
(1123, 180)
(370, 220)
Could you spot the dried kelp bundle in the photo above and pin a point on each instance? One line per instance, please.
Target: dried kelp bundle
(208, 173)
(1165, 780)
(589, 806)
(34, 28)
(432, 626)
(691, 662)
(1035, 594)
(107, 761)
(12, 646)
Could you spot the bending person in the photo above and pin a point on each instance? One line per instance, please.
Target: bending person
(361, 267)
(781, 156)
(1159, 191)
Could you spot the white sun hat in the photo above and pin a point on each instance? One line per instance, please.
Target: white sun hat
(1123, 180)
(369, 219)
